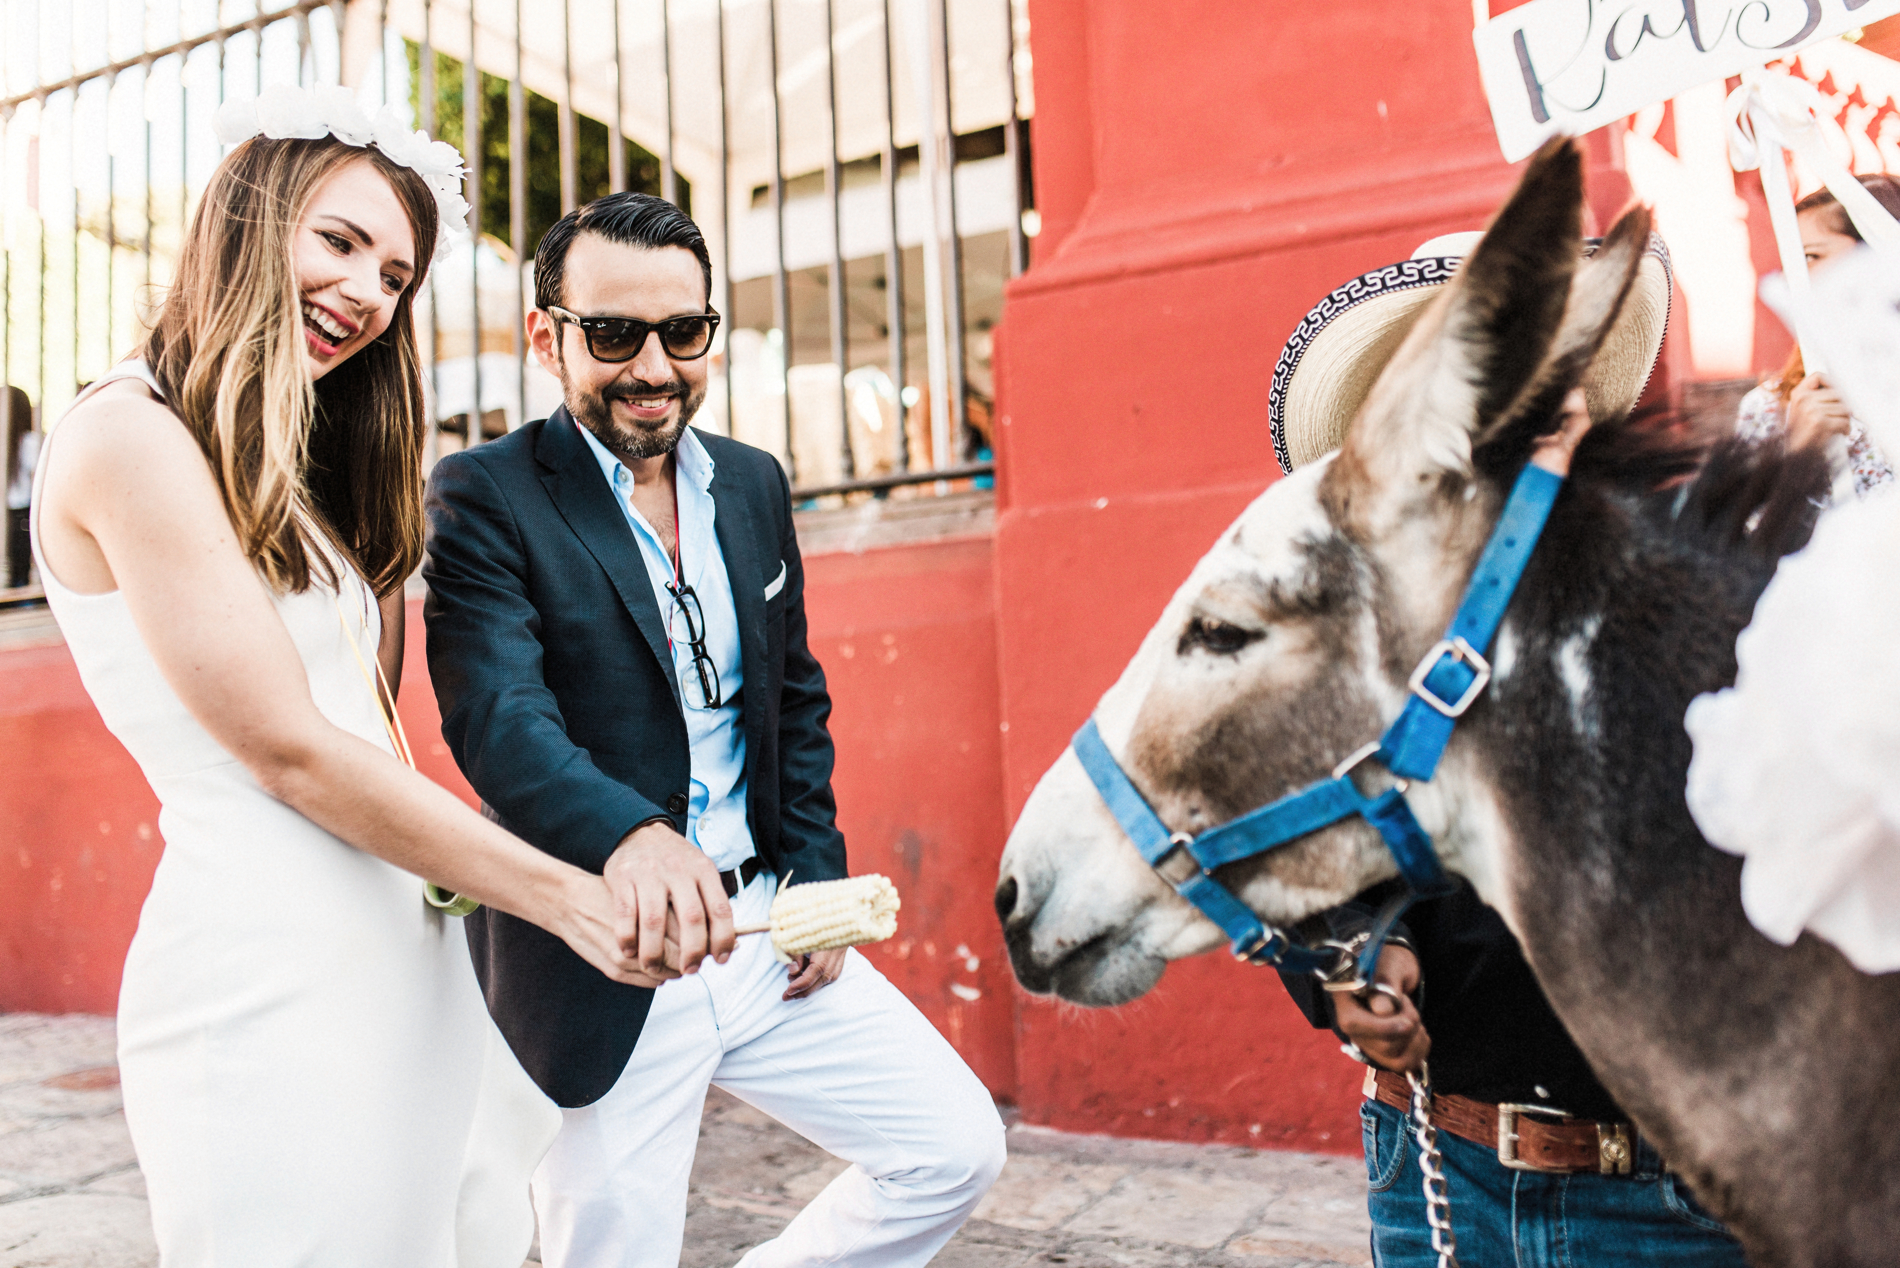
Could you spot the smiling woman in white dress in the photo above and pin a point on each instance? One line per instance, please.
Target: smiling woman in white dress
(224, 527)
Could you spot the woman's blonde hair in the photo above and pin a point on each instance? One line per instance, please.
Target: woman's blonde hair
(299, 462)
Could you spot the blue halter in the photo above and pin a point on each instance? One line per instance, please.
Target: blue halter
(1446, 683)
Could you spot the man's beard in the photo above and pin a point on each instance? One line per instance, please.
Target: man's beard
(594, 411)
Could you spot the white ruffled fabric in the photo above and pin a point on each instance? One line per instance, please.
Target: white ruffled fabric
(1797, 767)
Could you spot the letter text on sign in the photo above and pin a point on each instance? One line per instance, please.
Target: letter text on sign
(1569, 66)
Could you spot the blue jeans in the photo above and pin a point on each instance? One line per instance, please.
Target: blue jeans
(1524, 1219)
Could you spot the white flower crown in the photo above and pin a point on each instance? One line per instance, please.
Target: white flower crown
(282, 112)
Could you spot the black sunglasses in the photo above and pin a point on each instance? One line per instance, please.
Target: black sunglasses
(616, 339)
(703, 667)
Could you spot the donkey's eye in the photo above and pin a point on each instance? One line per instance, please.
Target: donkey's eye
(1218, 637)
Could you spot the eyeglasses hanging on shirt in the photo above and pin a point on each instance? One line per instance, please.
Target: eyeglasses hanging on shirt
(703, 667)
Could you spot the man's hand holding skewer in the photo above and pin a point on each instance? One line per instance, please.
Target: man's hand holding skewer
(667, 891)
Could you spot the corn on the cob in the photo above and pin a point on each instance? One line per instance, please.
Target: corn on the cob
(827, 914)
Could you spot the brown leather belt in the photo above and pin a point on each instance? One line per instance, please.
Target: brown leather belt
(1526, 1137)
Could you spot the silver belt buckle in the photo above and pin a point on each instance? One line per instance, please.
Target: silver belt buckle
(1507, 1132)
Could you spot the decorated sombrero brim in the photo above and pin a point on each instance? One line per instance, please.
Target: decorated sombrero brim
(1338, 350)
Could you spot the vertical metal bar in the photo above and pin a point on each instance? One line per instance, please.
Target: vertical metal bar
(1012, 147)
(725, 199)
(339, 23)
(518, 218)
(570, 176)
(72, 173)
(425, 79)
(145, 101)
(669, 179)
(39, 338)
(36, 153)
(184, 157)
(953, 261)
(112, 213)
(111, 81)
(150, 210)
(223, 86)
(781, 280)
(425, 66)
(472, 150)
(834, 183)
(6, 262)
(616, 138)
(894, 252)
(616, 143)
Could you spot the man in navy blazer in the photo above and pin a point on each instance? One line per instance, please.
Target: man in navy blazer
(616, 633)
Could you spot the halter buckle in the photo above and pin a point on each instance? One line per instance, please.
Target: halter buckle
(1458, 650)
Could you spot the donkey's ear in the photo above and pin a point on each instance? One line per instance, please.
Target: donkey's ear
(1597, 295)
(1475, 352)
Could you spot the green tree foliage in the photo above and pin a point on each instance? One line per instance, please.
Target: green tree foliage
(543, 146)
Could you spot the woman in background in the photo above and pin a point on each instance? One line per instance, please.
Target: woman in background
(1805, 406)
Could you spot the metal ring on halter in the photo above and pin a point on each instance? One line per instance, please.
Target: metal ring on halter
(1358, 756)
(1245, 955)
(1179, 866)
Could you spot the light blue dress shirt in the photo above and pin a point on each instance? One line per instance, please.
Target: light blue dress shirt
(716, 818)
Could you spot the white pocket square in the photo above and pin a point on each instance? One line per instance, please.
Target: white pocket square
(778, 583)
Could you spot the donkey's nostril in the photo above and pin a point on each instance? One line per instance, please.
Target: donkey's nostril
(1006, 898)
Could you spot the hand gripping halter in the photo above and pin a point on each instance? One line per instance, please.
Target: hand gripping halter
(1446, 683)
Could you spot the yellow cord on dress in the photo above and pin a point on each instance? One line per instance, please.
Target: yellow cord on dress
(433, 894)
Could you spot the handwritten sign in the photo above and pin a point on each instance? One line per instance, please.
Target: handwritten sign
(1570, 66)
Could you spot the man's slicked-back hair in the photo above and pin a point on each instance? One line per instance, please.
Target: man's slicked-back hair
(636, 220)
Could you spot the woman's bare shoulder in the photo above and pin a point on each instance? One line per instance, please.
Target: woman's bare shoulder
(122, 456)
(124, 429)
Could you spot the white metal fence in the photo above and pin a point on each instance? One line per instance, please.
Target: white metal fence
(858, 167)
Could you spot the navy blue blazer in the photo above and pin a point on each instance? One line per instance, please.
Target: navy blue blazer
(559, 702)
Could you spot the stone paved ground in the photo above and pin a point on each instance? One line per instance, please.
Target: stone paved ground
(71, 1195)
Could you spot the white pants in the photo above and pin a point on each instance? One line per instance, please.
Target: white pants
(853, 1068)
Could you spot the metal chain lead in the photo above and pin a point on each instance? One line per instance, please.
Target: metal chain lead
(1437, 1204)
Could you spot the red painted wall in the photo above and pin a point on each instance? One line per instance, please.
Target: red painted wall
(907, 637)
(78, 841)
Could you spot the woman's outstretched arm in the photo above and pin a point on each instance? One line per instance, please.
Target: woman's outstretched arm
(130, 502)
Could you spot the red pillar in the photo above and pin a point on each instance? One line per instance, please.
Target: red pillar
(1204, 178)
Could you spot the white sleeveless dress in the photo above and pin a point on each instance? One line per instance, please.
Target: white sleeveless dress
(311, 1077)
